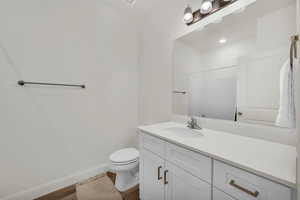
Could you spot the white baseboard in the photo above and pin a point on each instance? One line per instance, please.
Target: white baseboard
(46, 188)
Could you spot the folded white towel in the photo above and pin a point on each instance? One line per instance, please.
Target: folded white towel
(287, 111)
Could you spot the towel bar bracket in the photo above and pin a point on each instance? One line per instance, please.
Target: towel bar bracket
(293, 49)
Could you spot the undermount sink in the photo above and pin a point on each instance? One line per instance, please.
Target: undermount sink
(186, 132)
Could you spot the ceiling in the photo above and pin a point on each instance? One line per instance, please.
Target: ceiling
(138, 8)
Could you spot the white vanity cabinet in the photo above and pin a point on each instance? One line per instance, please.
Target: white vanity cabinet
(171, 171)
(182, 185)
(151, 170)
(218, 195)
(161, 179)
(247, 186)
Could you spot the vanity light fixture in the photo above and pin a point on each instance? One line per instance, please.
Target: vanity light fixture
(206, 7)
(188, 15)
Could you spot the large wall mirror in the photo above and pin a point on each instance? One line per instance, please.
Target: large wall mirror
(230, 70)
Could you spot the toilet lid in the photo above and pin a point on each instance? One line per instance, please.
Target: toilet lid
(125, 155)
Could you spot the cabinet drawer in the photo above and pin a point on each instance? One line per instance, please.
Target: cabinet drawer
(247, 186)
(218, 195)
(194, 163)
(153, 144)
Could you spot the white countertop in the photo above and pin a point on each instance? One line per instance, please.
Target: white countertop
(271, 160)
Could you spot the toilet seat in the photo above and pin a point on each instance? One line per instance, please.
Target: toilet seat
(124, 163)
(124, 156)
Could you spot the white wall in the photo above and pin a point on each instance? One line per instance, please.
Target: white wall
(298, 103)
(155, 72)
(185, 58)
(49, 134)
(161, 27)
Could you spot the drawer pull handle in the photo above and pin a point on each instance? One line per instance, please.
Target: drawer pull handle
(233, 184)
(165, 177)
(159, 177)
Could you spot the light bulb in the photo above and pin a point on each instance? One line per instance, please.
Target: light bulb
(188, 15)
(206, 7)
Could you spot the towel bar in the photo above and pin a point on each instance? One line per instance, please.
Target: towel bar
(23, 83)
(179, 92)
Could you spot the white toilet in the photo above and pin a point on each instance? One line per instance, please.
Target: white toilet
(125, 163)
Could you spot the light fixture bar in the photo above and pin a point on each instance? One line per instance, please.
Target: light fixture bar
(209, 7)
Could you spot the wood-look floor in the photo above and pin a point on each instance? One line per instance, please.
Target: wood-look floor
(69, 193)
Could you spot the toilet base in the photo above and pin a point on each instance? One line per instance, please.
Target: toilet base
(126, 180)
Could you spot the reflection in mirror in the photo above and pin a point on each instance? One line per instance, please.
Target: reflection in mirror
(213, 94)
(231, 69)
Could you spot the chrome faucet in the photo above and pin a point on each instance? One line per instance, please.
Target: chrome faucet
(193, 124)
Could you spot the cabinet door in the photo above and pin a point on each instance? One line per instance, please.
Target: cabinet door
(180, 185)
(151, 175)
(218, 195)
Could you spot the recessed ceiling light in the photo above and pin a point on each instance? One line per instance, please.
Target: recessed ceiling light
(130, 2)
(222, 41)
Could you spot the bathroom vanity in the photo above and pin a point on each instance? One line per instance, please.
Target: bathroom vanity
(185, 164)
